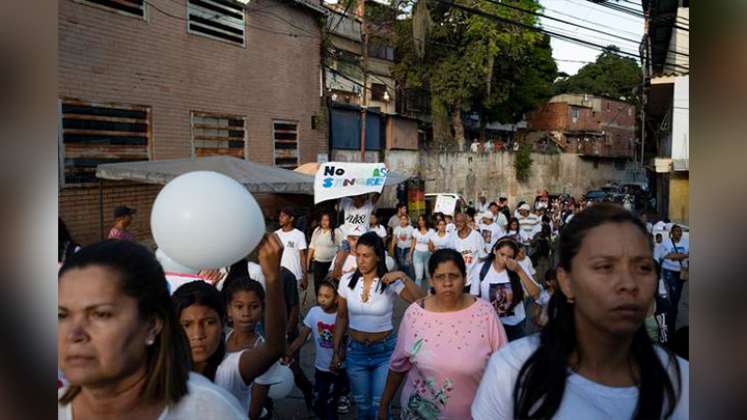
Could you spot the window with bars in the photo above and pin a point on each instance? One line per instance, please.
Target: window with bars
(127, 7)
(285, 142)
(377, 91)
(218, 19)
(218, 135)
(93, 134)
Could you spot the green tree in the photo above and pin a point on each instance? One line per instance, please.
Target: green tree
(610, 75)
(472, 63)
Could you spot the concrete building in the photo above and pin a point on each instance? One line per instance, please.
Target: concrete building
(165, 79)
(590, 126)
(665, 54)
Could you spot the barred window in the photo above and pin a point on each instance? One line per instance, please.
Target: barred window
(218, 19)
(215, 134)
(285, 142)
(93, 134)
(126, 7)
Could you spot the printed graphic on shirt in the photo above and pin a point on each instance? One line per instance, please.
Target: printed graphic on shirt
(355, 219)
(487, 235)
(500, 296)
(403, 237)
(290, 244)
(468, 256)
(326, 334)
(426, 402)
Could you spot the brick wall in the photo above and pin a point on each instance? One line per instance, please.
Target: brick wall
(107, 57)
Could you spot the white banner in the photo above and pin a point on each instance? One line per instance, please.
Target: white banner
(445, 204)
(346, 179)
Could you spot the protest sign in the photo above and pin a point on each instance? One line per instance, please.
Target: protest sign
(346, 179)
(445, 204)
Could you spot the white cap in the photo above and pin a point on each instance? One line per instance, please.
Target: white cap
(488, 215)
(524, 206)
(353, 230)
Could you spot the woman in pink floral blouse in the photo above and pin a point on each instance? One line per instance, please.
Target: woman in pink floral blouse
(443, 346)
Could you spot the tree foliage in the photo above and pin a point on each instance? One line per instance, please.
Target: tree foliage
(610, 75)
(471, 63)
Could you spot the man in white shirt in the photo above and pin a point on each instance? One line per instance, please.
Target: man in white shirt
(294, 247)
(470, 244)
(482, 203)
(529, 223)
(676, 254)
(500, 218)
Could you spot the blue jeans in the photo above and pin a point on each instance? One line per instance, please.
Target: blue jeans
(367, 365)
(400, 255)
(420, 264)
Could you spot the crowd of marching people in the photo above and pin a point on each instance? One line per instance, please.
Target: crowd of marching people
(559, 308)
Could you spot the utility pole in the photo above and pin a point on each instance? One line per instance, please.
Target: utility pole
(364, 102)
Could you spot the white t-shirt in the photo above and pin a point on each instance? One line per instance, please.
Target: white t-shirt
(442, 242)
(380, 231)
(228, 376)
(175, 280)
(667, 246)
(350, 264)
(255, 273)
(403, 235)
(490, 234)
(322, 327)
(500, 220)
(356, 218)
(583, 399)
(323, 245)
(374, 315)
(528, 267)
(495, 288)
(472, 249)
(294, 242)
(205, 400)
(530, 225)
(450, 227)
(421, 240)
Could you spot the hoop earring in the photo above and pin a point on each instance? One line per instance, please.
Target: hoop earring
(570, 300)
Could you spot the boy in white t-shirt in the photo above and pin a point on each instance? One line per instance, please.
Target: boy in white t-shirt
(320, 323)
(294, 246)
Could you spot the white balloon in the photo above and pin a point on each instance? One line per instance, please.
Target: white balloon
(206, 220)
(169, 265)
(280, 379)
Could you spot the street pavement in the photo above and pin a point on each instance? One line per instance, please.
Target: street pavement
(293, 407)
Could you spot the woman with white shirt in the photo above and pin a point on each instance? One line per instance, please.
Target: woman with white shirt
(502, 282)
(325, 242)
(594, 358)
(441, 239)
(675, 252)
(375, 226)
(366, 302)
(419, 251)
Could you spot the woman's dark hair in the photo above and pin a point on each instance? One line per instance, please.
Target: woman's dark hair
(513, 219)
(427, 222)
(199, 292)
(540, 384)
(332, 225)
(372, 240)
(517, 290)
(471, 212)
(243, 284)
(445, 255)
(168, 359)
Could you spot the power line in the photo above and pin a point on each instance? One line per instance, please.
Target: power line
(590, 22)
(536, 29)
(537, 14)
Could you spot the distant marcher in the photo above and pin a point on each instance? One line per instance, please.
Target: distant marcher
(122, 220)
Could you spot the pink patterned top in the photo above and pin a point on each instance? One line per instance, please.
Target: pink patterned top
(444, 355)
(115, 233)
